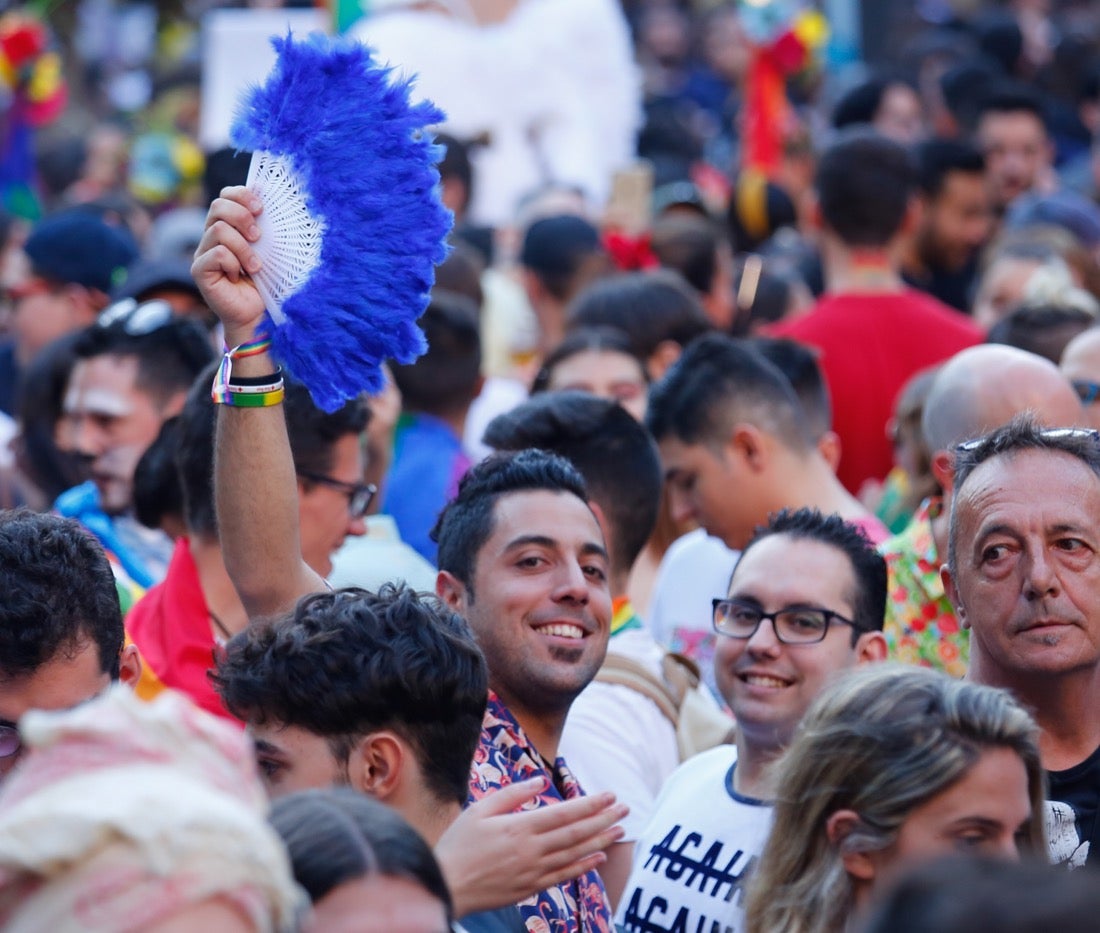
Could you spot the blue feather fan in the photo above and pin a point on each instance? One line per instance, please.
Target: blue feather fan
(363, 167)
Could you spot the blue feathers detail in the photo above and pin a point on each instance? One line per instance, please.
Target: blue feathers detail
(368, 166)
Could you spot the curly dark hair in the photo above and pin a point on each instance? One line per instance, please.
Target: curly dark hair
(58, 594)
(348, 662)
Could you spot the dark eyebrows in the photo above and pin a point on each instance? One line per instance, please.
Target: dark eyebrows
(266, 748)
(588, 549)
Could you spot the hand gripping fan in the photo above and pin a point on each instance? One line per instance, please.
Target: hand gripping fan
(352, 226)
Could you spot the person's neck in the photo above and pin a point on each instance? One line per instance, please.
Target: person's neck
(1066, 708)
(543, 728)
(222, 601)
(868, 270)
(432, 819)
(754, 775)
(807, 481)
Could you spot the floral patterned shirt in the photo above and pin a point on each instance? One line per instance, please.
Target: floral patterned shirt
(921, 627)
(505, 756)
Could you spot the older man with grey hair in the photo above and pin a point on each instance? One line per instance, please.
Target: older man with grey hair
(975, 391)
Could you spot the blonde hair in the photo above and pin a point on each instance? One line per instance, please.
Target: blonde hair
(881, 742)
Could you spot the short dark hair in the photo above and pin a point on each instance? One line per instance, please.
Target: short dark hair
(467, 522)
(583, 340)
(864, 182)
(1014, 97)
(649, 307)
(444, 379)
(347, 662)
(312, 433)
(938, 158)
(456, 163)
(720, 380)
(799, 363)
(688, 244)
(611, 450)
(169, 357)
(859, 104)
(157, 494)
(964, 893)
(563, 252)
(868, 566)
(337, 835)
(1044, 329)
(59, 593)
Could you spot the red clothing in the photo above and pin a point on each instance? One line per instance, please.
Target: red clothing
(870, 346)
(170, 625)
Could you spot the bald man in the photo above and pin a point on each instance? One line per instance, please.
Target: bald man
(1081, 366)
(976, 391)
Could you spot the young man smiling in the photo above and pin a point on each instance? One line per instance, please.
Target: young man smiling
(805, 602)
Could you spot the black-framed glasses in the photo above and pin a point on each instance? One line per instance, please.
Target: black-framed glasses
(1050, 434)
(137, 318)
(795, 625)
(360, 495)
(10, 742)
(1087, 390)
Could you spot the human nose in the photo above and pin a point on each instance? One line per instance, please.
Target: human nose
(357, 526)
(764, 640)
(1041, 579)
(572, 584)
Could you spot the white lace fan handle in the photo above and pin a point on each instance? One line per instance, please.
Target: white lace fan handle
(290, 236)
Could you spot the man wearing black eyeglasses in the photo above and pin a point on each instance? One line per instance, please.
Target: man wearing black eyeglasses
(805, 603)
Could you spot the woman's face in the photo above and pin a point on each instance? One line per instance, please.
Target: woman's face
(606, 373)
(986, 812)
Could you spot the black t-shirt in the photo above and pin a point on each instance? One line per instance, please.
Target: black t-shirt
(1073, 806)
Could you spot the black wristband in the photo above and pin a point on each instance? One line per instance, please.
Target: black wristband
(267, 379)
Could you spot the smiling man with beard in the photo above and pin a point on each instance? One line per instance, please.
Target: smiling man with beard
(806, 601)
(1023, 573)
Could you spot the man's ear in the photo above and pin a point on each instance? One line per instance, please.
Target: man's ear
(129, 666)
(661, 359)
(748, 444)
(871, 647)
(828, 445)
(838, 827)
(943, 468)
(952, 593)
(451, 590)
(376, 764)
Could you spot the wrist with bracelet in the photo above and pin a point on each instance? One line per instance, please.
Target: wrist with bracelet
(263, 391)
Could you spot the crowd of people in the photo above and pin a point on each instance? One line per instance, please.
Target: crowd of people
(730, 560)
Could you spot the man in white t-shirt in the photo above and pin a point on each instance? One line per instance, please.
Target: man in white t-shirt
(806, 602)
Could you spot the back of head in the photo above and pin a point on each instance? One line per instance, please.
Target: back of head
(1042, 329)
(562, 251)
(983, 387)
(650, 307)
(687, 244)
(962, 894)
(446, 378)
(799, 364)
(59, 593)
(466, 523)
(964, 86)
(758, 208)
(864, 182)
(718, 382)
(337, 835)
(879, 742)
(859, 104)
(77, 247)
(615, 455)
(349, 662)
(171, 351)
